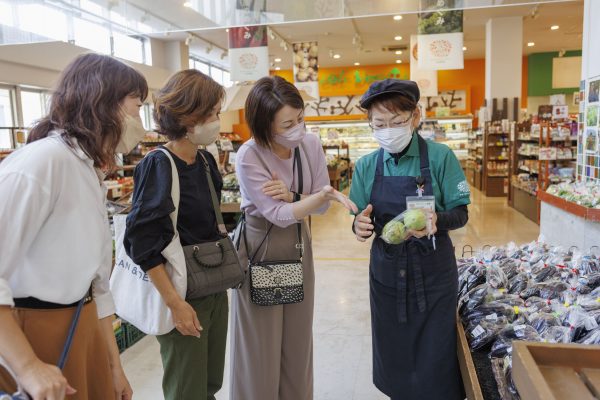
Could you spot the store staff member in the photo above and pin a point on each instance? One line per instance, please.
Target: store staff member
(413, 285)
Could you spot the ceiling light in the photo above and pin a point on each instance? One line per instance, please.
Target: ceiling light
(223, 54)
(187, 4)
(530, 44)
(398, 61)
(188, 39)
(464, 48)
(397, 17)
(398, 38)
(271, 34)
(209, 48)
(554, 27)
(227, 30)
(336, 56)
(357, 64)
(277, 59)
(398, 52)
(285, 47)
(277, 68)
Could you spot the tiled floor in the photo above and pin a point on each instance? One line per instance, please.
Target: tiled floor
(342, 323)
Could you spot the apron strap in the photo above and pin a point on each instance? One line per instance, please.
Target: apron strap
(409, 251)
(379, 167)
(424, 157)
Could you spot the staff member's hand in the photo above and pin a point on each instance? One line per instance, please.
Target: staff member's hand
(277, 189)
(363, 227)
(429, 230)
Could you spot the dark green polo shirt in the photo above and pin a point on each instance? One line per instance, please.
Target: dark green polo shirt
(450, 186)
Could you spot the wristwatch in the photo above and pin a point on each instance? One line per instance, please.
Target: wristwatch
(296, 197)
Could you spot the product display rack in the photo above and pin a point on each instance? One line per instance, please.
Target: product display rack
(496, 159)
(357, 136)
(524, 171)
(474, 169)
(452, 131)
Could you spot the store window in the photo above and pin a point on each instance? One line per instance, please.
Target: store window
(34, 18)
(91, 36)
(217, 74)
(128, 47)
(33, 105)
(6, 118)
(227, 79)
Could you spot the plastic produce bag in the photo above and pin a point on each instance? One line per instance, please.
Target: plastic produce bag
(481, 333)
(494, 307)
(394, 232)
(545, 290)
(518, 283)
(474, 298)
(520, 331)
(509, 267)
(495, 277)
(557, 334)
(537, 304)
(592, 337)
(542, 321)
(470, 277)
(579, 322)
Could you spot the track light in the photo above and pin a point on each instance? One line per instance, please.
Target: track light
(209, 48)
(188, 39)
(223, 54)
(285, 47)
(271, 34)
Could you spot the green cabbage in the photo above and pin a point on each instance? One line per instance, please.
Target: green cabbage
(394, 232)
(415, 220)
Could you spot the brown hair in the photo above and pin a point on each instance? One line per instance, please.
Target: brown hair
(187, 98)
(86, 104)
(392, 102)
(266, 98)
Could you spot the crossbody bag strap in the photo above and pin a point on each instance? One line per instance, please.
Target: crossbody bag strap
(300, 186)
(67, 347)
(310, 169)
(213, 195)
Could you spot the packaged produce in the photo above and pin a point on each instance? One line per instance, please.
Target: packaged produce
(516, 331)
(495, 277)
(518, 283)
(557, 334)
(592, 337)
(394, 232)
(483, 332)
(469, 276)
(493, 307)
(542, 321)
(545, 290)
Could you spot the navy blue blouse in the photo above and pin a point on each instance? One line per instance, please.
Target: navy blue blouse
(149, 227)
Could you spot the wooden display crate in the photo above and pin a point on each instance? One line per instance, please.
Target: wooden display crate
(544, 371)
(467, 366)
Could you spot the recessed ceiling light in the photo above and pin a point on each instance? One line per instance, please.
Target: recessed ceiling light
(336, 56)
(397, 17)
(357, 64)
(398, 61)
(187, 4)
(398, 38)
(530, 44)
(277, 68)
(464, 48)
(227, 30)
(554, 27)
(398, 52)
(277, 59)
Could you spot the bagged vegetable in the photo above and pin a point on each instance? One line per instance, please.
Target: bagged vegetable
(542, 321)
(494, 307)
(395, 231)
(592, 337)
(557, 334)
(470, 277)
(520, 331)
(518, 283)
(495, 277)
(483, 332)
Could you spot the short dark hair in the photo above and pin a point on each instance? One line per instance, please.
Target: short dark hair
(187, 98)
(393, 102)
(86, 105)
(269, 95)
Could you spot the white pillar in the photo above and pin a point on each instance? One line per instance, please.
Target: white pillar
(503, 59)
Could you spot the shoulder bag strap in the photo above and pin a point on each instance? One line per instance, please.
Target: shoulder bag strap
(67, 347)
(175, 192)
(310, 169)
(213, 195)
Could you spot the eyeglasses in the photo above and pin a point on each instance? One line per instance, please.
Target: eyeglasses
(396, 122)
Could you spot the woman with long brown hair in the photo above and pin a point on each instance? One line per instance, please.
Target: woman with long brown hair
(55, 241)
(186, 111)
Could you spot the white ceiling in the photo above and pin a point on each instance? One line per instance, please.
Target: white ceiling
(378, 32)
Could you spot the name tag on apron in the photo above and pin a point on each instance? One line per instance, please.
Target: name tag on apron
(420, 202)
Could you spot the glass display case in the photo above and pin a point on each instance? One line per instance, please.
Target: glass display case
(357, 135)
(451, 131)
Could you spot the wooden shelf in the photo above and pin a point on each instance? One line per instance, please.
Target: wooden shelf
(589, 214)
(230, 207)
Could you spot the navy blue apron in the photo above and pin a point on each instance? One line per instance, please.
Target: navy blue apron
(413, 291)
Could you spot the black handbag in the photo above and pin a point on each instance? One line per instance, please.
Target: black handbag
(212, 267)
(275, 283)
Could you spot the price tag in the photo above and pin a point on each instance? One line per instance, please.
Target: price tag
(519, 330)
(492, 317)
(478, 331)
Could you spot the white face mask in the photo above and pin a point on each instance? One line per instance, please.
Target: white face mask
(133, 133)
(205, 134)
(394, 140)
(292, 137)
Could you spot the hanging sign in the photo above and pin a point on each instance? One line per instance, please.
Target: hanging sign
(426, 79)
(248, 53)
(306, 67)
(440, 39)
